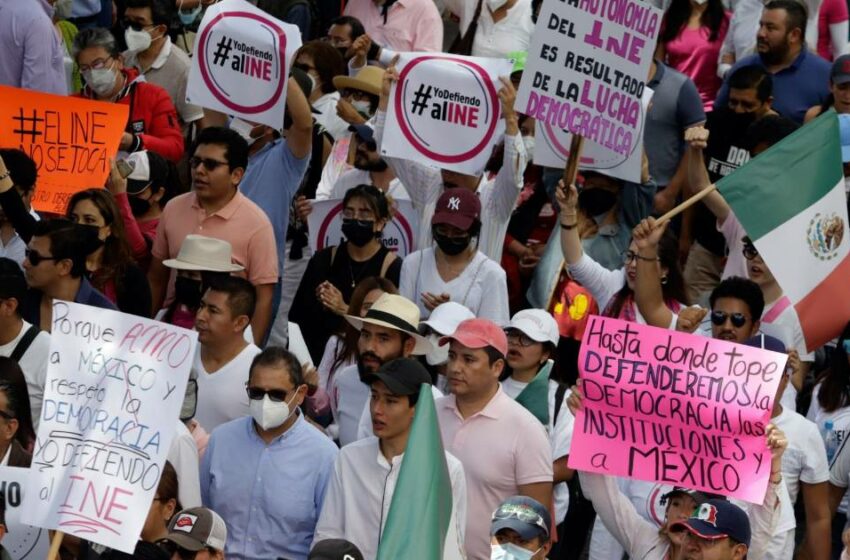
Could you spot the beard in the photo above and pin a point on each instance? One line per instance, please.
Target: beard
(365, 371)
(775, 55)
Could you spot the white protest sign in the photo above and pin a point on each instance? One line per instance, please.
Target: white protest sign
(552, 149)
(297, 345)
(444, 111)
(325, 226)
(115, 385)
(241, 62)
(22, 541)
(587, 69)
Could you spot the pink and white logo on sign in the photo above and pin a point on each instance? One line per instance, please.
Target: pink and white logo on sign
(451, 122)
(233, 61)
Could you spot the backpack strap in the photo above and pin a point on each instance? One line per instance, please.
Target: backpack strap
(24, 343)
(389, 259)
(559, 400)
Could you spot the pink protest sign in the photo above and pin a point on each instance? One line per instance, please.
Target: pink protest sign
(670, 407)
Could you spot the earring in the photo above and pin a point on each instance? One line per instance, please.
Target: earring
(663, 280)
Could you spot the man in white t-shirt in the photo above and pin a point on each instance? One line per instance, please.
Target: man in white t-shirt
(361, 489)
(804, 469)
(19, 340)
(389, 330)
(224, 357)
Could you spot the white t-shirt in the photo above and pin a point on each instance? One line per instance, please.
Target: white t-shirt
(840, 423)
(511, 33)
(183, 456)
(560, 436)
(348, 397)
(221, 394)
(803, 461)
(481, 287)
(786, 327)
(34, 365)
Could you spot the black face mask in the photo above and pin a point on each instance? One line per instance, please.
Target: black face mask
(358, 232)
(188, 292)
(742, 121)
(596, 201)
(139, 206)
(451, 245)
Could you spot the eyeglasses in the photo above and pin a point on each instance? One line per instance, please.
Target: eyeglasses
(750, 251)
(630, 256)
(208, 163)
(719, 318)
(304, 67)
(518, 337)
(522, 513)
(356, 94)
(35, 258)
(257, 394)
(95, 65)
(171, 548)
(135, 25)
(358, 214)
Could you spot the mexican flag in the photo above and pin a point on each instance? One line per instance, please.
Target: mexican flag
(791, 202)
(421, 507)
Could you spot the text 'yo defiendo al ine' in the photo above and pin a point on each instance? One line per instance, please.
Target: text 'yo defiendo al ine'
(676, 408)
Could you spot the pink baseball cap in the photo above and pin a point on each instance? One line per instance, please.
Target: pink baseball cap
(479, 333)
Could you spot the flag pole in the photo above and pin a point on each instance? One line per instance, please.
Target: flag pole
(685, 205)
(55, 544)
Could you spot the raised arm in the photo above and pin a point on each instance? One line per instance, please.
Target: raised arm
(299, 137)
(648, 295)
(697, 139)
(509, 180)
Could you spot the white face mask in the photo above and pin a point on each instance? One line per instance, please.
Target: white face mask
(510, 551)
(244, 129)
(494, 5)
(100, 80)
(700, 2)
(529, 147)
(188, 18)
(62, 8)
(269, 414)
(362, 107)
(137, 41)
(440, 354)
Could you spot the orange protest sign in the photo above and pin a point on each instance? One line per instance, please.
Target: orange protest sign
(70, 139)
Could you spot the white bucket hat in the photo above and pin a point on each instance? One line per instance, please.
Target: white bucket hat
(394, 312)
(204, 253)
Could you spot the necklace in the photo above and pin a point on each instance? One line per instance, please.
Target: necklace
(351, 272)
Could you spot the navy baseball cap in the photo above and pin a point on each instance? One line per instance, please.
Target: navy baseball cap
(363, 131)
(717, 519)
(528, 517)
(698, 496)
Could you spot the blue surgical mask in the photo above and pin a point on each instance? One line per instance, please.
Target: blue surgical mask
(510, 551)
(188, 18)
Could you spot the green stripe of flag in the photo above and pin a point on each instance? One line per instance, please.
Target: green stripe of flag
(786, 179)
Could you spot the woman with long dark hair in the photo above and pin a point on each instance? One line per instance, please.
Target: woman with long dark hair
(15, 412)
(613, 290)
(692, 33)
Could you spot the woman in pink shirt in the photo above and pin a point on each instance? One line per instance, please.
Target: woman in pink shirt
(691, 36)
(832, 29)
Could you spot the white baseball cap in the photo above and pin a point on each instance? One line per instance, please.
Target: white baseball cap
(446, 317)
(536, 324)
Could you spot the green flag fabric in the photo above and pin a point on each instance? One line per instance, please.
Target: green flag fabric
(421, 507)
(535, 396)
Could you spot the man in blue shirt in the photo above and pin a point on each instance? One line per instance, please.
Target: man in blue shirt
(276, 166)
(266, 475)
(800, 77)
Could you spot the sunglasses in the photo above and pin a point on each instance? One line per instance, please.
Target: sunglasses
(750, 251)
(257, 394)
(35, 258)
(171, 548)
(208, 163)
(719, 318)
(521, 513)
(134, 25)
(518, 337)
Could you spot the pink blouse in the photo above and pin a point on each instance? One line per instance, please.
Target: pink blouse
(692, 54)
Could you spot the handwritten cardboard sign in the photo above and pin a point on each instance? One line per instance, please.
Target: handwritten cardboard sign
(675, 408)
(22, 541)
(325, 226)
(115, 385)
(587, 67)
(242, 61)
(70, 139)
(445, 112)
